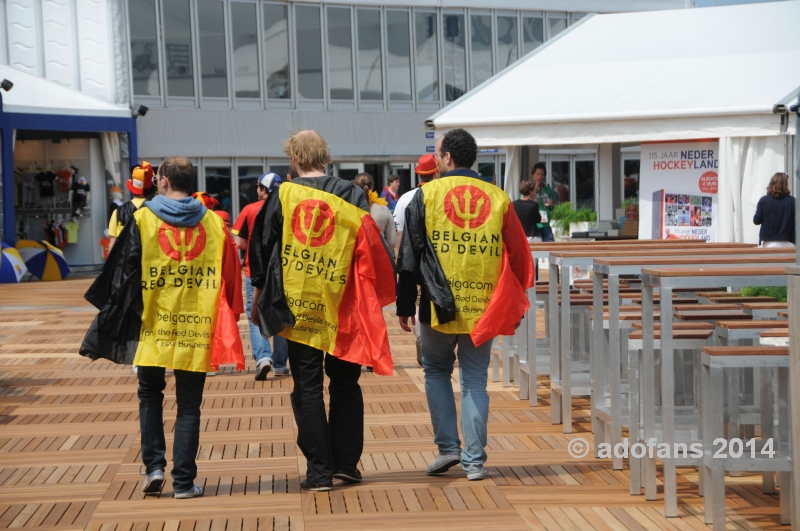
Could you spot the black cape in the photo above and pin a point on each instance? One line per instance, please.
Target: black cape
(117, 293)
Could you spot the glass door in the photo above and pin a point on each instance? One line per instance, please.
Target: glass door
(560, 180)
(584, 186)
(218, 185)
(248, 182)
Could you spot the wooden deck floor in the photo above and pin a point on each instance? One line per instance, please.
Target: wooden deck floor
(69, 451)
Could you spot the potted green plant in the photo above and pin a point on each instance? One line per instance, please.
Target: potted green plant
(565, 220)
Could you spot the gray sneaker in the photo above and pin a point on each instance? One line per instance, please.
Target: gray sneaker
(153, 482)
(443, 463)
(477, 475)
(195, 492)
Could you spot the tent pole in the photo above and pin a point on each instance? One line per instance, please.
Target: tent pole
(793, 281)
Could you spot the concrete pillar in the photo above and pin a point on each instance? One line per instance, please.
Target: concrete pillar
(605, 182)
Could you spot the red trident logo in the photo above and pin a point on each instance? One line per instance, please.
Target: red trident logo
(467, 206)
(182, 244)
(313, 223)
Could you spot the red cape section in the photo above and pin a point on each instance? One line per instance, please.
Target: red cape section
(362, 337)
(227, 347)
(509, 301)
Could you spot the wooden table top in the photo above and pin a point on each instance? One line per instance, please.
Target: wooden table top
(709, 249)
(755, 350)
(775, 332)
(765, 305)
(711, 316)
(748, 325)
(715, 272)
(686, 258)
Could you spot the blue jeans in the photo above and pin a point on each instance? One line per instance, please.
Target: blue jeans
(547, 233)
(260, 344)
(189, 395)
(438, 358)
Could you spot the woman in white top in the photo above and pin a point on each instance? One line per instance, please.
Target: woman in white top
(379, 210)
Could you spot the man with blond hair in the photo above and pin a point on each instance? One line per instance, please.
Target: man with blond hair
(315, 259)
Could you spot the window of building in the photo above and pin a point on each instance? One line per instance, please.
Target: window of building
(560, 179)
(144, 47)
(340, 54)
(248, 183)
(584, 183)
(309, 52)
(398, 60)
(454, 56)
(556, 24)
(370, 73)
(630, 178)
(282, 170)
(213, 64)
(481, 42)
(244, 25)
(218, 185)
(276, 50)
(507, 41)
(178, 48)
(532, 33)
(427, 59)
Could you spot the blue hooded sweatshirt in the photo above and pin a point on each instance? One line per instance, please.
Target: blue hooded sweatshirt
(186, 212)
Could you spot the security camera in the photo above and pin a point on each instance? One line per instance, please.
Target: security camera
(139, 110)
(6, 85)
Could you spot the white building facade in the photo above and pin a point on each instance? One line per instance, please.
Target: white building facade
(225, 81)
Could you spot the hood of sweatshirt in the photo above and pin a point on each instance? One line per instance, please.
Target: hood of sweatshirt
(186, 212)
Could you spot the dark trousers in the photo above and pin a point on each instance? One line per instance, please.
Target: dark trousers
(189, 391)
(336, 441)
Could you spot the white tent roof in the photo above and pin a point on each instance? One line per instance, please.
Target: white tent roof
(659, 75)
(35, 95)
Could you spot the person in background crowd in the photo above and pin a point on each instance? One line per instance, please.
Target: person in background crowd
(141, 181)
(427, 170)
(492, 273)
(528, 210)
(775, 213)
(389, 193)
(630, 185)
(145, 279)
(316, 262)
(379, 210)
(266, 359)
(116, 200)
(544, 196)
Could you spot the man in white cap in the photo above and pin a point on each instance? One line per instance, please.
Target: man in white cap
(266, 359)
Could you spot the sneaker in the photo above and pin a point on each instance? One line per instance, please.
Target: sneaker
(418, 344)
(263, 370)
(135, 370)
(350, 475)
(280, 372)
(443, 463)
(153, 482)
(195, 492)
(316, 487)
(477, 475)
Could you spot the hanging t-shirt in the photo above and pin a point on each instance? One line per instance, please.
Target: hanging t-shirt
(80, 187)
(45, 179)
(64, 176)
(72, 229)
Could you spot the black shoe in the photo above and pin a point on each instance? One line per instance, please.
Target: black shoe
(316, 487)
(262, 373)
(350, 475)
